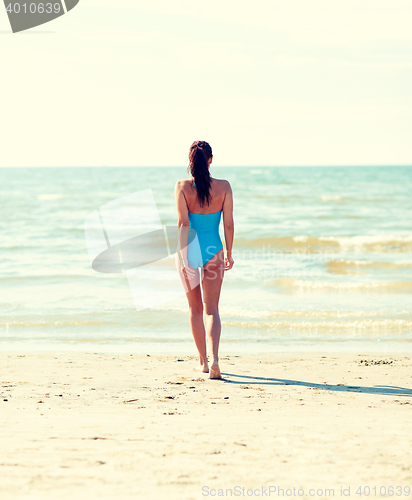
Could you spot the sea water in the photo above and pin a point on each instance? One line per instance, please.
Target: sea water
(323, 262)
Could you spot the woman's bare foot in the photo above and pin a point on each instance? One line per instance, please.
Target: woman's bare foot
(204, 367)
(215, 371)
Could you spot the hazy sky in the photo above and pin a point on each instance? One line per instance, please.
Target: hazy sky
(291, 82)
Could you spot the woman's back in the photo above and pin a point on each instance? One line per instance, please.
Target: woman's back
(205, 220)
(218, 190)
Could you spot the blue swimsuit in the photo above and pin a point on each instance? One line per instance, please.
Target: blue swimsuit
(207, 230)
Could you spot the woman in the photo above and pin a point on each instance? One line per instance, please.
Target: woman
(200, 203)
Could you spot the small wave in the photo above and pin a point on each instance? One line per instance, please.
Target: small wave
(372, 325)
(51, 323)
(241, 312)
(44, 278)
(320, 314)
(375, 286)
(50, 197)
(337, 197)
(382, 243)
(343, 266)
(331, 198)
(304, 243)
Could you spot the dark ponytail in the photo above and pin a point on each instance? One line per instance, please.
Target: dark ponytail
(199, 154)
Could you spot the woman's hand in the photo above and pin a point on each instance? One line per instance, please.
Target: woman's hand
(228, 262)
(188, 271)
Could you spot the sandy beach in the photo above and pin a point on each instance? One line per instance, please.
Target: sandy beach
(139, 426)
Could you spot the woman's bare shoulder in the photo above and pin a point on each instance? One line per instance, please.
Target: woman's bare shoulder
(223, 184)
(183, 183)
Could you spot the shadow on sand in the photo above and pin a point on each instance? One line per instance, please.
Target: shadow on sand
(379, 389)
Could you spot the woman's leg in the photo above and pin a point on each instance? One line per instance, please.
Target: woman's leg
(194, 298)
(212, 284)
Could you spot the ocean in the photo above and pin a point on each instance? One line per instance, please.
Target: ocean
(323, 262)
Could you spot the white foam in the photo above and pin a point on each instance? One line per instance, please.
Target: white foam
(50, 197)
(326, 197)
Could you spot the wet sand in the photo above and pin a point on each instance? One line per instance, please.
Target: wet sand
(77, 426)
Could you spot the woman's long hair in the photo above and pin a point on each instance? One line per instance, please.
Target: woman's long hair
(199, 154)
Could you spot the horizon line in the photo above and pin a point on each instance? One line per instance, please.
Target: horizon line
(216, 166)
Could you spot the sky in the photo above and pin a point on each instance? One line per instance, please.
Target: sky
(266, 83)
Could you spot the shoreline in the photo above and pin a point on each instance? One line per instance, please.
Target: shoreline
(149, 426)
(227, 348)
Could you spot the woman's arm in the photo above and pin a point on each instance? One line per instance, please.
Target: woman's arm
(183, 223)
(229, 226)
